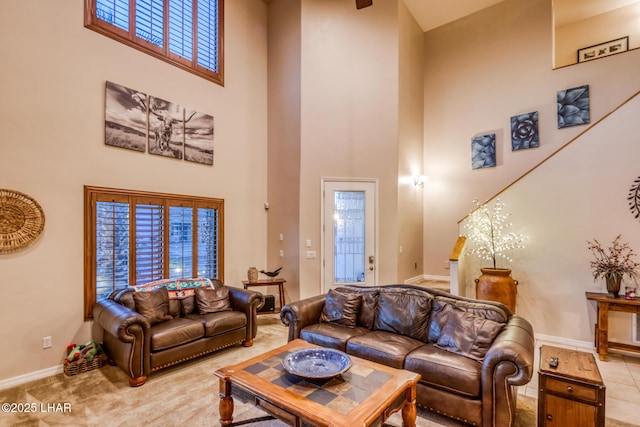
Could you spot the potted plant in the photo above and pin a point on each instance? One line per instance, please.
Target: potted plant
(490, 239)
(613, 263)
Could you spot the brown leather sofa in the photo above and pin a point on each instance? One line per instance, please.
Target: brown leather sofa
(140, 344)
(471, 354)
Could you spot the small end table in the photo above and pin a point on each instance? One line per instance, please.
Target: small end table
(269, 282)
(572, 394)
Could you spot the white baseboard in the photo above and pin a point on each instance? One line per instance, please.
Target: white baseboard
(422, 277)
(32, 376)
(564, 342)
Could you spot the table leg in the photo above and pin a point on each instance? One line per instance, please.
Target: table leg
(603, 331)
(282, 302)
(226, 403)
(409, 408)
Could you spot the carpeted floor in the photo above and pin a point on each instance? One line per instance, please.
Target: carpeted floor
(184, 395)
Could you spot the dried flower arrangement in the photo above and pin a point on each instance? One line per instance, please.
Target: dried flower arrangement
(614, 262)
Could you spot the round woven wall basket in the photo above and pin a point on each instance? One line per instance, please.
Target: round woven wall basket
(21, 220)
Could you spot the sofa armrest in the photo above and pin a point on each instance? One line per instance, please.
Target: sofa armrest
(248, 302)
(508, 363)
(300, 314)
(126, 338)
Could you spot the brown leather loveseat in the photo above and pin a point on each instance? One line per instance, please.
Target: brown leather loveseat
(159, 324)
(471, 354)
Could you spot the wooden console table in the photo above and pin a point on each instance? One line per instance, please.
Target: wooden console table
(608, 303)
(269, 282)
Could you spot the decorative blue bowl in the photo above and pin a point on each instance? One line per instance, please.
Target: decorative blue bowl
(317, 363)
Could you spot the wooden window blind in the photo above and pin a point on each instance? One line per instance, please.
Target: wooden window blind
(134, 237)
(186, 33)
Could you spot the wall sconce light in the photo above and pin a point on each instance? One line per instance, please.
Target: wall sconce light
(419, 180)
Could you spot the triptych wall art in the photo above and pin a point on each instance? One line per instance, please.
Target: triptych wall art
(573, 110)
(141, 122)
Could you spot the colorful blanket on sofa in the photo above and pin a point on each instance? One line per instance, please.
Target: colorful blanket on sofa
(178, 288)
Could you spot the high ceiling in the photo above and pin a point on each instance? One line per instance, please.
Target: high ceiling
(434, 13)
(431, 14)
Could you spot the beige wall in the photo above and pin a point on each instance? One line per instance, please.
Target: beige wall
(568, 39)
(349, 117)
(52, 120)
(335, 115)
(283, 177)
(410, 145)
(484, 69)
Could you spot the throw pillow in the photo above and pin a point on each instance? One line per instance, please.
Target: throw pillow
(468, 335)
(368, 307)
(341, 309)
(154, 305)
(211, 300)
(189, 305)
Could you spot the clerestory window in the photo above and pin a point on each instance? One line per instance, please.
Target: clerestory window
(134, 237)
(185, 33)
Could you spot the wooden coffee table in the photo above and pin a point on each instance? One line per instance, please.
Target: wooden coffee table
(367, 394)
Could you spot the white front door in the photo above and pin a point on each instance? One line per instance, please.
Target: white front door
(349, 228)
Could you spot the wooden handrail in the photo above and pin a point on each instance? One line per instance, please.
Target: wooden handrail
(457, 248)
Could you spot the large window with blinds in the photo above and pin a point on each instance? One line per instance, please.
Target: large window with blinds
(134, 237)
(186, 33)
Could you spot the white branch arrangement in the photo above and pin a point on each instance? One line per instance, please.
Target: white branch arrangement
(488, 233)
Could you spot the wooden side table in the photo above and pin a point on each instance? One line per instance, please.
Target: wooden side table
(573, 393)
(269, 282)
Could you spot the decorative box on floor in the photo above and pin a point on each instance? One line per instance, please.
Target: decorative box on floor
(269, 304)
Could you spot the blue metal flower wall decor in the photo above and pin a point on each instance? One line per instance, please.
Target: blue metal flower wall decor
(524, 131)
(483, 151)
(573, 107)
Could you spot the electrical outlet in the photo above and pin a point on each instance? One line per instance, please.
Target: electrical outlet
(281, 252)
(47, 342)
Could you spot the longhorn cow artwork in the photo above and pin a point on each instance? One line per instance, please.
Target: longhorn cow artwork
(125, 122)
(134, 120)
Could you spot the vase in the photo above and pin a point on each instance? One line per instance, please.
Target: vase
(613, 284)
(252, 274)
(496, 284)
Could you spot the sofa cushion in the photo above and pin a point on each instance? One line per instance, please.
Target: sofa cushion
(175, 308)
(442, 306)
(368, 306)
(445, 370)
(341, 309)
(468, 335)
(154, 305)
(404, 311)
(212, 300)
(331, 335)
(125, 297)
(188, 305)
(383, 347)
(174, 333)
(220, 322)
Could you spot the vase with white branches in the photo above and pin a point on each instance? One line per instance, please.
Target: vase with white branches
(488, 233)
(490, 239)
